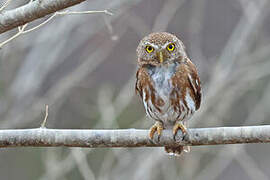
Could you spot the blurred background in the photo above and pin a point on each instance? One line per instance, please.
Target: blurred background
(83, 67)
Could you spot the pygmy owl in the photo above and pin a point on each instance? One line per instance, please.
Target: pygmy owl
(168, 84)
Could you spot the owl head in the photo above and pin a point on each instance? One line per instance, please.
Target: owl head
(160, 48)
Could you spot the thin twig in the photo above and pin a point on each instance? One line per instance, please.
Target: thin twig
(67, 12)
(43, 125)
(41, 24)
(22, 31)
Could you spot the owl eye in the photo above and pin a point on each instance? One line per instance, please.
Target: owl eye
(149, 49)
(171, 47)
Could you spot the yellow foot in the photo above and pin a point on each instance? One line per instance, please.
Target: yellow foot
(179, 125)
(158, 126)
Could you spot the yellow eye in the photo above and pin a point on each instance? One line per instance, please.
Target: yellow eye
(149, 49)
(171, 47)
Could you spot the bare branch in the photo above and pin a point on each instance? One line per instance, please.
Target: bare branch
(31, 11)
(132, 137)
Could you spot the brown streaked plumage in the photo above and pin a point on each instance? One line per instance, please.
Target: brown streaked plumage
(168, 84)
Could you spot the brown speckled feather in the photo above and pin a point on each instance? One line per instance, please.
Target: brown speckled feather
(186, 76)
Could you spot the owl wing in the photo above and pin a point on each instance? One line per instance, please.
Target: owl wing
(186, 76)
(141, 79)
(195, 84)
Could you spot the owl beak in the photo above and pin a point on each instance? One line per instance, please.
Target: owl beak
(160, 56)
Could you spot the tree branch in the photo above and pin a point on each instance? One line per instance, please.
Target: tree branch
(42, 137)
(31, 11)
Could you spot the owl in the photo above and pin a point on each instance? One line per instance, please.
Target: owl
(168, 84)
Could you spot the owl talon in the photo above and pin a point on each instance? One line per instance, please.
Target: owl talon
(179, 125)
(186, 149)
(158, 126)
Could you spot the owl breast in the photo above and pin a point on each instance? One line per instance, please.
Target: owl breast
(162, 105)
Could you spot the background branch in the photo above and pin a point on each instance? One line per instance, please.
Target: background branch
(42, 137)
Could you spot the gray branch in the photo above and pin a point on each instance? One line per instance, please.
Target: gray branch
(42, 137)
(31, 11)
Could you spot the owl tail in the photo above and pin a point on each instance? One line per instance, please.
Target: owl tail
(176, 150)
